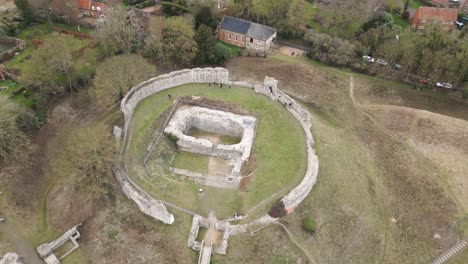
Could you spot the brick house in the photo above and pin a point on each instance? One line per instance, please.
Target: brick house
(445, 17)
(91, 8)
(246, 34)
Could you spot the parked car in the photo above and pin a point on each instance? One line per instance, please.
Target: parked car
(396, 66)
(444, 85)
(382, 62)
(17, 18)
(424, 81)
(459, 24)
(454, 1)
(2, 220)
(368, 59)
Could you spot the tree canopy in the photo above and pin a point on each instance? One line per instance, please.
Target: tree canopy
(11, 137)
(117, 75)
(87, 154)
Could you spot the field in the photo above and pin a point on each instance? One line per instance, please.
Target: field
(279, 153)
(392, 177)
(378, 197)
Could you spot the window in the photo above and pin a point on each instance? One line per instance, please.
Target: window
(251, 40)
(243, 39)
(229, 36)
(235, 37)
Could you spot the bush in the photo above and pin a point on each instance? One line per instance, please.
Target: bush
(173, 138)
(27, 122)
(309, 224)
(133, 2)
(405, 15)
(277, 210)
(221, 53)
(464, 92)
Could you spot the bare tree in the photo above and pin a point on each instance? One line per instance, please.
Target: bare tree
(117, 32)
(116, 75)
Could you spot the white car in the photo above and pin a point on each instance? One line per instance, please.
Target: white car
(444, 85)
(368, 58)
(459, 24)
(382, 62)
(454, 1)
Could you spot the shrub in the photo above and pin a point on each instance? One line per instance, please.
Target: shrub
(277, 210)
(405, 15)
(221, 53)
(173, 138)
(309, 224)
(464, 92)
(27, 122)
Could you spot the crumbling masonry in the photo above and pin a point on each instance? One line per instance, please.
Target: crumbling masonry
(156, 208)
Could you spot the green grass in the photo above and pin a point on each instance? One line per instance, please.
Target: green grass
(403, 23)
(235, 50)
(223, 139)
(279, 149)
(191, 161)
(415, 4)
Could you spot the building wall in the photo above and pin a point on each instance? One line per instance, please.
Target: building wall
(259, 45)
(232, 38)
(421, 24)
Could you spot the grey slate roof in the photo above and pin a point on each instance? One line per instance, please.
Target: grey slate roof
(250, 29)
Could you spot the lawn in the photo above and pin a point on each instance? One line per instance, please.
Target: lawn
(85, 62)
(191, 161)
(279, 149)
(398, 20)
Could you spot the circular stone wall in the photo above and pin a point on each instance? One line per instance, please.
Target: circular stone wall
(279, 152)
(155, 206)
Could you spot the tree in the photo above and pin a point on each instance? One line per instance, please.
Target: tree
(87, 154)
(50, 65)
(25, 10)
(295, 19)
(205, 16)
(118, 33)
(153, 48)
(116, 76)
(309, 224)
(206, 41)
(11, 137)
(178, 44)
(171, 41)
(175, 7)
(221, 54)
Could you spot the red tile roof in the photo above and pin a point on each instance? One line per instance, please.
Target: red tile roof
(436, 13)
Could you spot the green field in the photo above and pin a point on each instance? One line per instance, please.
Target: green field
(191, 161)
(279, 150)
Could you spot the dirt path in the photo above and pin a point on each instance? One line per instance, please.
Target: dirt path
(296, 243)
(211, 236)
(23, 248)
(351, 94)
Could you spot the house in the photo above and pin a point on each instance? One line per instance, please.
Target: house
(246, 34)
(81, 8)
(445, 17)
(91, 8)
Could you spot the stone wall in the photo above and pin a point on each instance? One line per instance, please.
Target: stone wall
(10, 258)
(217, 75)
(215, 121)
